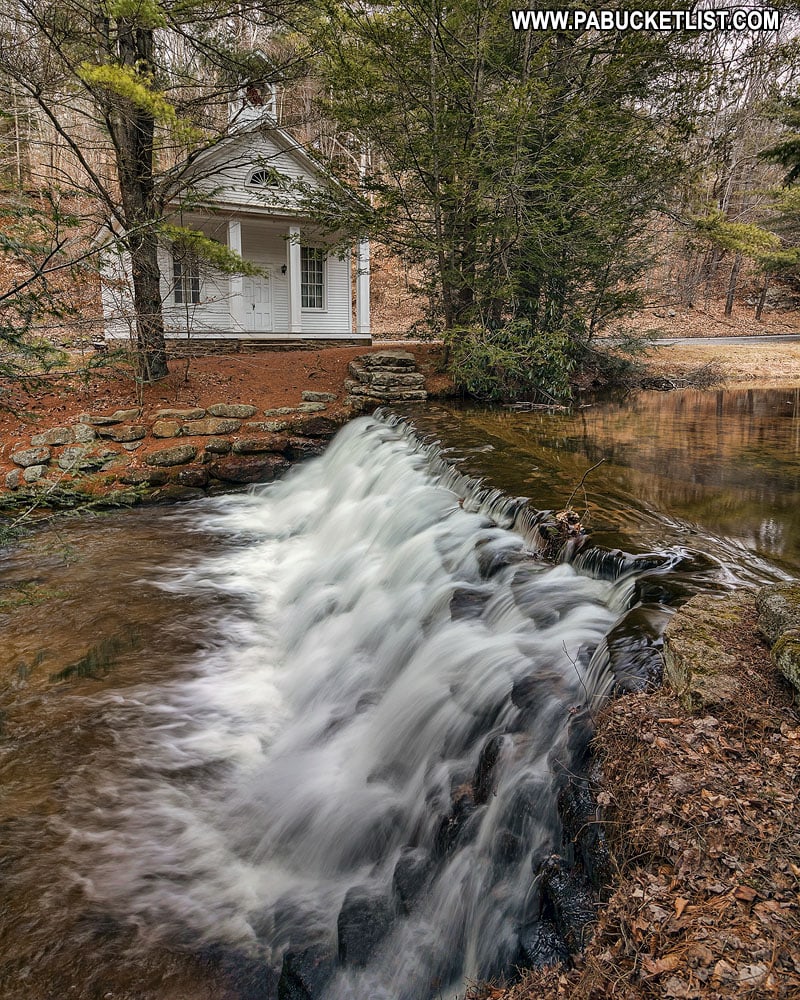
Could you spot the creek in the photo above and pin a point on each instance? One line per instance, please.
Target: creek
(332, 717)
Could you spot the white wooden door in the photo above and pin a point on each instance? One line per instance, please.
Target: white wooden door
(257, 303)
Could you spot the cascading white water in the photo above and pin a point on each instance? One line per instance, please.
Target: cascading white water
(371, 633)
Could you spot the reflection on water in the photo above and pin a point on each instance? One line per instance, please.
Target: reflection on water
(717, 471)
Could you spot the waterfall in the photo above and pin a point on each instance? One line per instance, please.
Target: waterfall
(360, 768)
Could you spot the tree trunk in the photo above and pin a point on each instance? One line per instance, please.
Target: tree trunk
(133, 129)
(737, 263)
(762, 298)
(151, 352)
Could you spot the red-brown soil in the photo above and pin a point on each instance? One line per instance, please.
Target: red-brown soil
(267, 379)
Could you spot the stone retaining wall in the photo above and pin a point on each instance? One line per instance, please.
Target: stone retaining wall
(170, 453)
(131, 456)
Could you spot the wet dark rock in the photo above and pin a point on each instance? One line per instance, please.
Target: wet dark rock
(455, 827)
(144, 477)
(635, 647)
(410, 877)
(173, 493)
(322, 427)
(304, 447)
(584, 833)
(467, 603)
(251, 978)
(306, 973)
(248, 468)
(483, 780)
(194, 476)
(541, 945)
(567, 901)
(363, 920)
(263, 443)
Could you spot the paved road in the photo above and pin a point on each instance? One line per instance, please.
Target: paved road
(787, 338)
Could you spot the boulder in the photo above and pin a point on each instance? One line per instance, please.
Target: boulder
(144, 477)
(166, 428)
(106, 420)
(14, 478)
(311, 407)
(318, 397)
(33, 473)
(696, 666)
(299, 447)
(83, 434)
(124, 432)
(778, 607)
(241, 411)
(265, 426)
(171, 413)
(194, 476)
(280, 411)
(786, 655)
(209, 426)
(78, 459)
(217, 446)
(388, 359)
(261, 468)
(314, 427)
(364, 919)
(180, 454)
(31, 456)
(55, 435)
(266, 442)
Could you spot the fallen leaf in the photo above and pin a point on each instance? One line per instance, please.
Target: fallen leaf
(680, 905)
(656, 966)
(745, 893)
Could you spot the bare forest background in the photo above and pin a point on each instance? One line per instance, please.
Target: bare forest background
(526, 193)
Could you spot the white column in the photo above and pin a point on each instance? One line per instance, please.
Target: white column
(293, 275)
(235, 281)
(362, 288)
